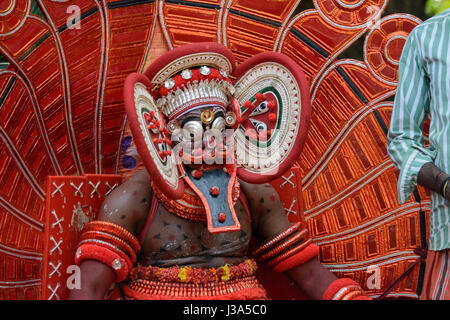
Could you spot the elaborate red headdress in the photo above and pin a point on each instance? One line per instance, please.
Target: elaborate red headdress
(268, 95)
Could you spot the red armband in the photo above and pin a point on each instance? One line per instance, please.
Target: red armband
(110, 244)
(311, 251)
(108, 256)
(288, 249)
(344, 289)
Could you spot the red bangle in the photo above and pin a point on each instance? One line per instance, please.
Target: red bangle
(353, 294)
(286, 244)
(88, 251)
(106, 245)
(362, 297)
(114, 229)
(308, 253)
(289, 253)
(277, 238)
(332, 292)
(110, 238)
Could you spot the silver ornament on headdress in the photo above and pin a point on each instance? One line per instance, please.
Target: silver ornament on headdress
(186, 74)
(204, 70)
(169, 83)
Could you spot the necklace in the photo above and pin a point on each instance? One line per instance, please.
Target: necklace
(189, 206)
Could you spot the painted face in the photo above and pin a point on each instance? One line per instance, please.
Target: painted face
(202, 135)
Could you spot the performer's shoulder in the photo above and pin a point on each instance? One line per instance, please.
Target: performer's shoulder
(128, 205)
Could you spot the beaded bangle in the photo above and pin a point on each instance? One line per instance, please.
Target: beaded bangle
(114, 229)
(362, 297)
(308, 253)
(353, 294)
(289, 253)
(276, 239)
(284, 245)
(106, 245)
(344, 292)
(111, 258)
(110, 244)
(343, 289)
(112, 239)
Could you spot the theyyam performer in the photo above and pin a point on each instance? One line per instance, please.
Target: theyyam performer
(212, 136)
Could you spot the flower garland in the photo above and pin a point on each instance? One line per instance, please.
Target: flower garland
(194, 275)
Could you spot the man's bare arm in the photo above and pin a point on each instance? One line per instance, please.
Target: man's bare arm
(268, 220)
(127, 206)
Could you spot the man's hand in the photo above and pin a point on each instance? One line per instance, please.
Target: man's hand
(431, 177)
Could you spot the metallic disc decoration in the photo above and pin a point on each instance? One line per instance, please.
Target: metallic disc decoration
(271, 135)
(147, 124)
(382, 57)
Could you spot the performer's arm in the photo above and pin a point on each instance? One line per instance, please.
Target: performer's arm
(269, 220)
(128, 204)
(126, 207)
(96, 279)
(405, 138)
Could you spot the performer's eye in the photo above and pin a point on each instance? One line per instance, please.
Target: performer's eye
(259, 125)
(193, 130)
(263, 107)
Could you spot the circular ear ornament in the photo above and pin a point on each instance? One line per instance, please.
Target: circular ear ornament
(173, 126)
(151, 136)
(207, 116)
(273, 118)
(230, 118)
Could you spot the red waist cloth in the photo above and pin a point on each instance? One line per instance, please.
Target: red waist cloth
(186, 283)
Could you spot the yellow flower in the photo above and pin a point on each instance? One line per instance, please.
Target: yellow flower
(183, 275)
(226, 273)
(251, 265)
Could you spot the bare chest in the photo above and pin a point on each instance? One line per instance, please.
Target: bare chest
(172, 240)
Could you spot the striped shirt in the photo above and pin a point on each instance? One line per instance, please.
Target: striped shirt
(424, 91)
